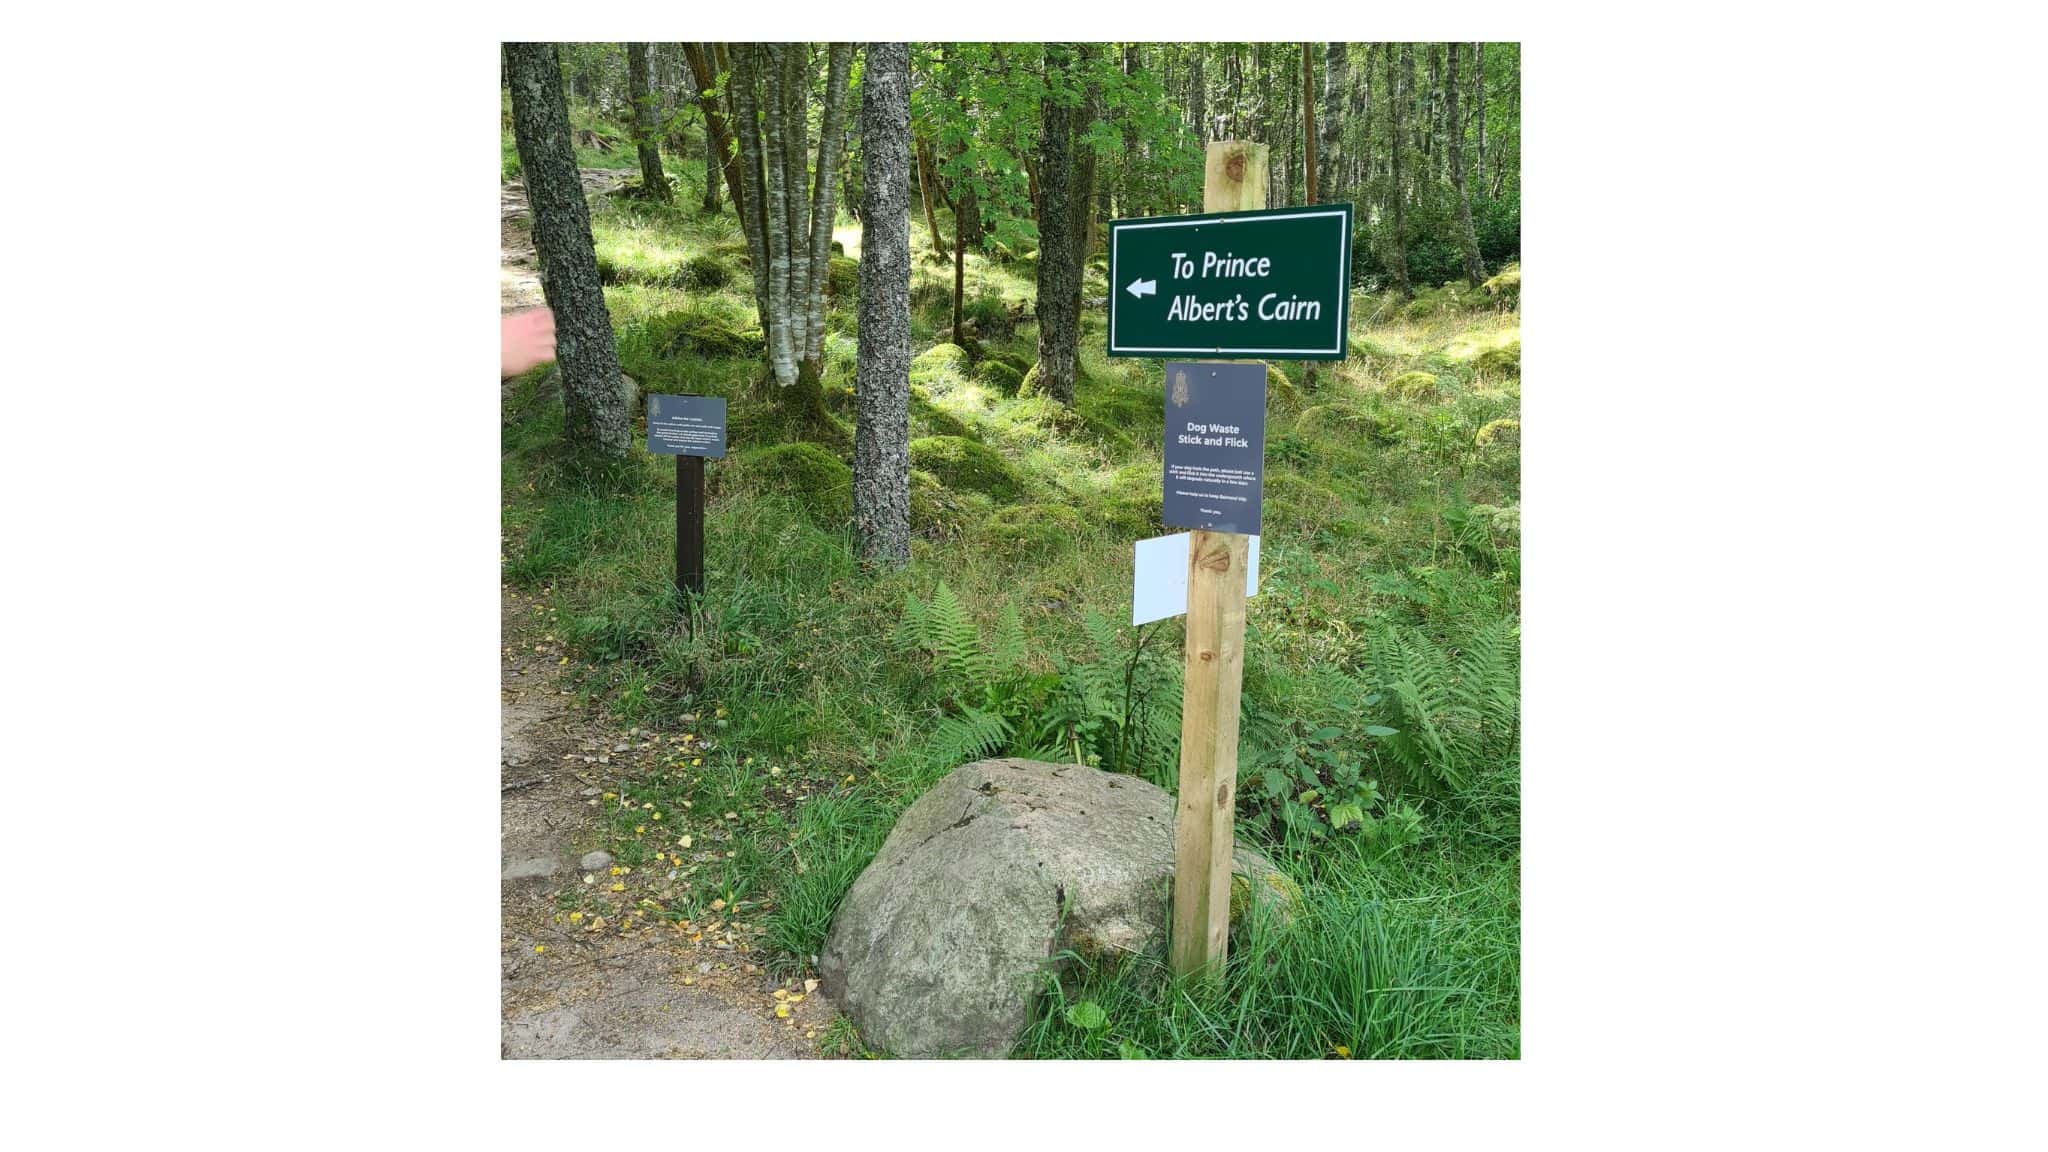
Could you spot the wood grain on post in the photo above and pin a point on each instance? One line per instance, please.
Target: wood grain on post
(1233, 180)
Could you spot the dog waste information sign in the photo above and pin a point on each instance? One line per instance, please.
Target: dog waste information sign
(1269, 283)
(686, 425)
(1215, 446)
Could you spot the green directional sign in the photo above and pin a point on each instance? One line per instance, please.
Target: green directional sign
(1272, 283)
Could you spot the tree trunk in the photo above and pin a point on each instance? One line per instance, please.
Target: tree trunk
(774, 71)
(1083, 188)
(1059, 273)
(717, 134)
(795, 133)
(597, 420)
(639, 84)
(927, 175)
(1397, 210)
(881, 439)
(1335, 78)
(1310, 178)
(1475, 272)
(830, 139)
(1479, 102)
(753, 202)
(1198, 96)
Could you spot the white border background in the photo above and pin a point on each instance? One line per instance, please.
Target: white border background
(1783, 633)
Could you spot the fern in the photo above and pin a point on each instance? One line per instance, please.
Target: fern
(1455, 711)
(1008, 651)
(971, 735)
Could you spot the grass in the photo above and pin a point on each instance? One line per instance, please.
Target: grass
(788, 708)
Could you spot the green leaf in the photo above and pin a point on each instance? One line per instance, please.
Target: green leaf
(1343, 814)
(1129, 1051)
(1087, 1015)
(1322, 734)
(1379, 730)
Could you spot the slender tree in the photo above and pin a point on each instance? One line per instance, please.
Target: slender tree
(646, 110)
(1059, 269)
(1475, 272)
(831, 139)
(1479, 102)
(597, 416)
(1335, 79)
(1397, 209)
(881, 440)
(754, 213)
(1308, 125)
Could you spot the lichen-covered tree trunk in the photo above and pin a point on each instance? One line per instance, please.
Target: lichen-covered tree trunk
(796, 90)
(1475, 272)
(754, 208)
(646, 117)
(830, 139)
(597, 420)
(1059, 270)
(881, 442)
(781, 352)
(1397, 209)
(1335, 78)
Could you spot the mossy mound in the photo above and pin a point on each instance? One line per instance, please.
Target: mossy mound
(1505, 286)
(812, 478)
(991, 318)
(928, 419)
(999, 376)
(1506, 433)
(1279, 385)
(1023, 531)
(1504, 360)
(842, 279)
(964, 464)
(1021, 363)
(838, 399)
(938, 511)
(704, 272)
(703, 332)
(941, 365)
(1133, 504)
(1029, 386)
(1413, 386)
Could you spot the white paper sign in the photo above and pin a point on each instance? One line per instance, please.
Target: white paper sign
(1159, 577)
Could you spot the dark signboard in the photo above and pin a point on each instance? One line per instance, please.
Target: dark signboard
(1273, 283)
(686, 425)
(1215, 446)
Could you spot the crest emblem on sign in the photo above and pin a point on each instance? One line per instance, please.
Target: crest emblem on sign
(1180, 388)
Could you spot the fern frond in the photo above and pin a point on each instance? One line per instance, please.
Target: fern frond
(971, 735)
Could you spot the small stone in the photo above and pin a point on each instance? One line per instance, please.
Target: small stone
(589, 792)
(534, 868)
(597, 861)
(704, 967)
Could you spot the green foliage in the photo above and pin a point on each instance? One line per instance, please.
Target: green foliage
(708, 328)
(1454, 709)
(1413, 386)
(813, 479)
(1505, 286)
(1314, 785)
(1504, 359)
(961, 463)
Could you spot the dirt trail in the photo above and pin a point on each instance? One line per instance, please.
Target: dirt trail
(587, 989)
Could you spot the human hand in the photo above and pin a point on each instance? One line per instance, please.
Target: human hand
(525, 338)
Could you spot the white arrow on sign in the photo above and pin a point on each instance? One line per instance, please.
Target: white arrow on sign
(1142, 288)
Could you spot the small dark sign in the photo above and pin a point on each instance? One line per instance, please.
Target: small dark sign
(686, 425)
(1215, 446)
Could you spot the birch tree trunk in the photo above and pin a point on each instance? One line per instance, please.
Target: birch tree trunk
(881, 441)
(1479, 102)
(774, 70)
(754, 209)
(831, 138)
(1310, 178)
(1397, 209)
(596, 418)
(1059, 274)
(646, 114)
(1475, 272)
(1335, 78)
(795, 134)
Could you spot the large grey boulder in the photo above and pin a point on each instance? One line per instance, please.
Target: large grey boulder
(942, 945)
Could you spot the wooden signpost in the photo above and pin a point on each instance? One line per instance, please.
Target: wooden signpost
(689, 428)
(1251, 283)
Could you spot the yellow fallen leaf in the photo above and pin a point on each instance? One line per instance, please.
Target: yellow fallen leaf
(685, 842)
(718, 905)
(782, 1011)
(810, 986)
(1341, 1050)
(849, 778)
(540, 947)
(618, 885)
(575, 917)
(689, 980)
